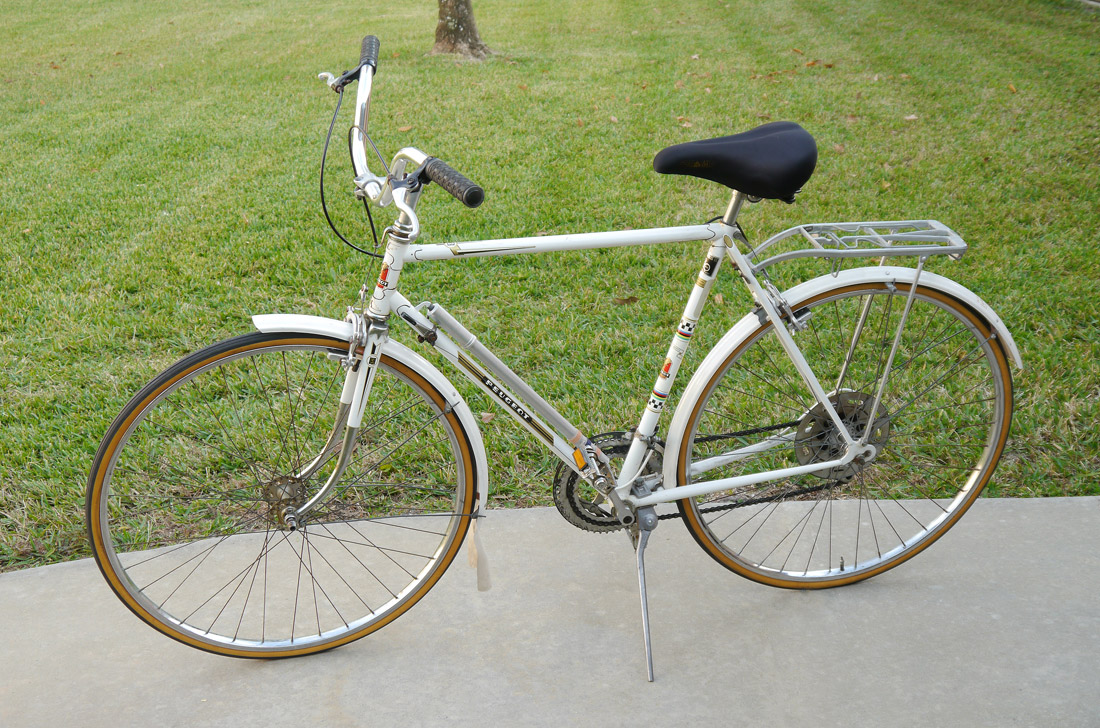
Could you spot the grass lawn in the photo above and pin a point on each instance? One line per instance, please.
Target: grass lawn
(160, 185)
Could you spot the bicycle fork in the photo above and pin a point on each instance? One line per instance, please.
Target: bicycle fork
(353, 402)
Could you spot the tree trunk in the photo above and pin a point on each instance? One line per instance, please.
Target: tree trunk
(456, 31)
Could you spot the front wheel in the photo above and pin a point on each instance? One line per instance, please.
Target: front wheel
(938, 434)
(187, 492)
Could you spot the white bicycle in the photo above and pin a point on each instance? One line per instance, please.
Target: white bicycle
(293, 489)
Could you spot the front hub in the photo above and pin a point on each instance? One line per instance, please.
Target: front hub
(283, 495)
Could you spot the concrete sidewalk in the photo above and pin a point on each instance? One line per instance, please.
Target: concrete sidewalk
(998, 624)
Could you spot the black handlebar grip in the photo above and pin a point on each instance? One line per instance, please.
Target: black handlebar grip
(368, 54)
(465, 191)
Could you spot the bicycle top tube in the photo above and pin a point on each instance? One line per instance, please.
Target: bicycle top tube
(554, 243)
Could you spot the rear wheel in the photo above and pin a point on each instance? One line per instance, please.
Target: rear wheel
(938, 433)
(187, 491)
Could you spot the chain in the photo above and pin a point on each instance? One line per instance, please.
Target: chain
(745, 433)
(756, 501)
(751, 501)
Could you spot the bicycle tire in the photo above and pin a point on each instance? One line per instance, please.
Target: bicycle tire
(940, 430)
(185, 493)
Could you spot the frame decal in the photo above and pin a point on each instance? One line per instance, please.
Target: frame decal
(505, 398)
(710, 266)
(666, 368)
(686, 330)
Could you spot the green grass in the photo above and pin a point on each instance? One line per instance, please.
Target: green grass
(159, 186)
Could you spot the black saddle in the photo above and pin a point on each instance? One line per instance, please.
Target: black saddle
(772, 161)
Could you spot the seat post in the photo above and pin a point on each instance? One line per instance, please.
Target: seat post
(736, 201)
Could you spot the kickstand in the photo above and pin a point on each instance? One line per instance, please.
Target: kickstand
(640, 541)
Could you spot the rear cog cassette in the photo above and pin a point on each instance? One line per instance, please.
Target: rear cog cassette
(818, 439)
(581, 504)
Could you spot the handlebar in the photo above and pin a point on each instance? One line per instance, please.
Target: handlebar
(463, 190)
(380, 189)
(368, 53)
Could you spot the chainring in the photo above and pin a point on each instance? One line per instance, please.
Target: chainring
(580, 503)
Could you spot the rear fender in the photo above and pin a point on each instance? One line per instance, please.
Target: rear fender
(803, 292)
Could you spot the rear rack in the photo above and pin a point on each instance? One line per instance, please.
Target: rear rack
(839, 241)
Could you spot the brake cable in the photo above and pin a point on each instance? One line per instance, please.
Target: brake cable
(324, 207)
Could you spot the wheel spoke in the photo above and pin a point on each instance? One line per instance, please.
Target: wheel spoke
(935, 434)
(190, 499)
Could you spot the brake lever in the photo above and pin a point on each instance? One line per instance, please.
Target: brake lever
(337, 83)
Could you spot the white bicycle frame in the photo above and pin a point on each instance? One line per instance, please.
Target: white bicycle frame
(631, 492)
(434, 324)
(560, 436)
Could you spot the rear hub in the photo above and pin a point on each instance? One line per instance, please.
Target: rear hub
(818, 439)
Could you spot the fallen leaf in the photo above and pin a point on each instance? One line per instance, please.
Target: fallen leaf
(614, 120)
(911, 117)
(796, 50)
(695, 57)
(487, 416)
(1011, 88)
(540, 233)
(829, 65)
(719, 299)
(404, 128)
(679, 84)
(687, 125)
(707, 89)
(809, 64)
(624, 301)
(580, 122)
(885, 185)
(763, 116)
(838, 148)
(522, 87)
(27, 230)
(851, 118)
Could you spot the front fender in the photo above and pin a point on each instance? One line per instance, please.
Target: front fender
(343, 330)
